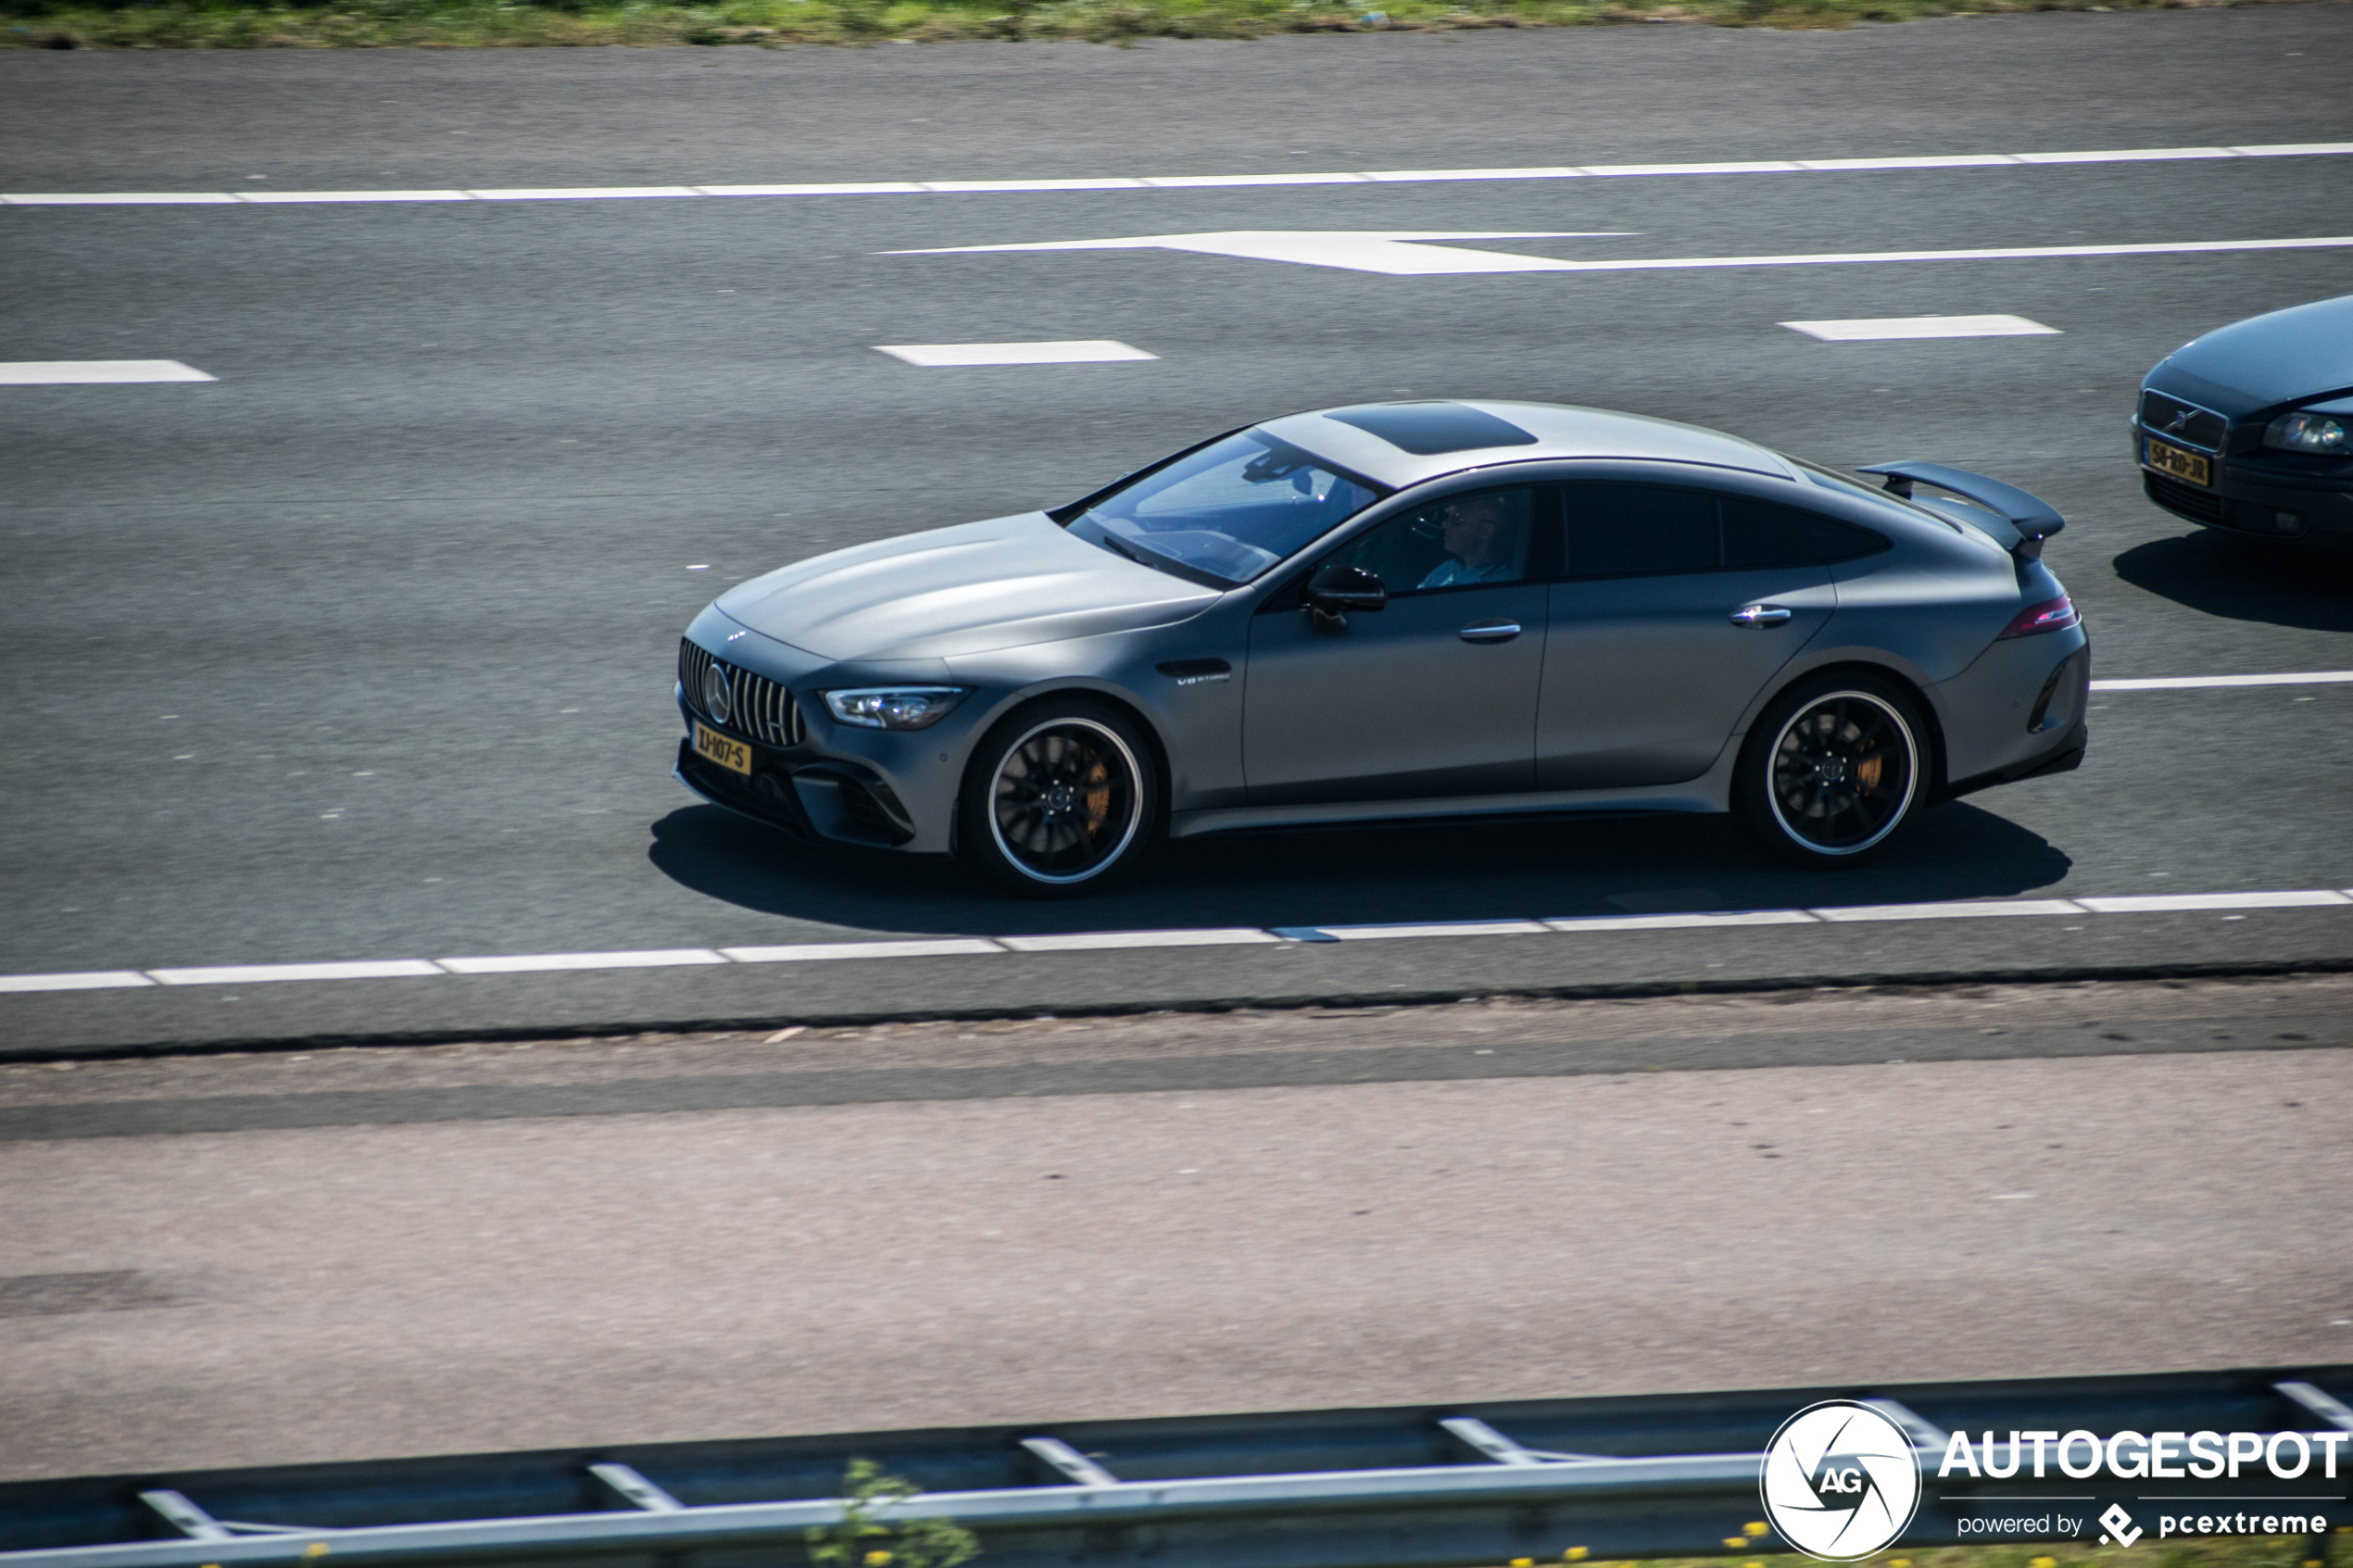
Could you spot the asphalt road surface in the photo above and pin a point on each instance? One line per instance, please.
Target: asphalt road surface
(275, 1258)
(363, 650)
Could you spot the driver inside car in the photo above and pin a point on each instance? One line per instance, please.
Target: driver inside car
(1482, 538)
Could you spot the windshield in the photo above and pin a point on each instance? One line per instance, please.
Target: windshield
(1230, 511)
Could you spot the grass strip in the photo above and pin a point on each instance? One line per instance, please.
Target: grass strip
(446, 24)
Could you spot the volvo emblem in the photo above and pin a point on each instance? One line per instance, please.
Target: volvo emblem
(2180, 421)
(717, 700)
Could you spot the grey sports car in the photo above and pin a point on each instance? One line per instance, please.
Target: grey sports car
(1400, 611)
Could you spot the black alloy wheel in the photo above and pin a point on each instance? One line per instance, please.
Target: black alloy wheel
(1832, 772)
(1060, 800)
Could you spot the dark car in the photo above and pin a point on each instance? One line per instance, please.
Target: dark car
(2249, 429)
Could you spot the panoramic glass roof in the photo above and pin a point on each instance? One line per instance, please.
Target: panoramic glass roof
(1427, 429)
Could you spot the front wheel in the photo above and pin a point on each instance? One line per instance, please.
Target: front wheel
(1833, 771)
(1060, 799)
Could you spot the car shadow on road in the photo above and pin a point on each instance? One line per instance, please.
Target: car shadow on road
(2247, 580)
(1494, 870)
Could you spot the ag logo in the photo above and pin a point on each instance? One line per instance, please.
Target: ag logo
(1840, 1481)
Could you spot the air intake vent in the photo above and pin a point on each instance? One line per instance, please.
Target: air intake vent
(2198, 506)
(757, 706)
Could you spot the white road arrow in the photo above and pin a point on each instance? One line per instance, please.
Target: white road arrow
(1401, 253)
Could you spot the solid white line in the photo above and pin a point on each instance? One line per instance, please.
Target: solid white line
(88, 980)
(586, 193)
(525, 963)
(2155, 903)
(1098, 941)
(2199, 683)
(1959, 908)
(1434, 928)
(96, 372)
(1186, 182)
(268, 198)
(806, 952)
(1574, 923)
(1885, 329)
(269, 973)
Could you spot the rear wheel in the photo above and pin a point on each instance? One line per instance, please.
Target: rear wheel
(1060, 800)
(1833, 771)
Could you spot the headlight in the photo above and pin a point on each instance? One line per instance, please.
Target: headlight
(894, 708)
(2308, 432)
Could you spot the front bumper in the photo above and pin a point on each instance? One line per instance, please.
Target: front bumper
(812, 796)
(2259, 505)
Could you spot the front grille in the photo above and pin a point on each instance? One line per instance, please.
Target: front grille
(2185, 422)
(2198, 506)
(757, 706)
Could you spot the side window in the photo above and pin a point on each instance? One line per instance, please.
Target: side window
(1759, 534)
(1638, 529)
(1482, 536)
(1834, 541)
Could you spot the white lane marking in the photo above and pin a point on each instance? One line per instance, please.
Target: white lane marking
(525, 963)
(281, 197)
(1184, 181)
(1097, 941)
(872, 188)
(1100, 941)
(88, 980)
(1081, 351)
(1889, 327)
(122, 198)
(805, 952)
(1959, 908)
(587, 192)
(1433, 928)
(269, 973)
(2134, 155)
(2199, 683)
(96, 372)
(1574, 923)
(1395, 252)
(1391, 252)
(2153, 903)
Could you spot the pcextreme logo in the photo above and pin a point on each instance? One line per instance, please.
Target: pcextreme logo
(1840, 1481)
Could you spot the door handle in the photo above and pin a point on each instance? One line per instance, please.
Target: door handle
(1760, 615)
(1491, 631)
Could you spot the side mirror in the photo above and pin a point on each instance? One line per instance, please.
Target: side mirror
(1335, 590)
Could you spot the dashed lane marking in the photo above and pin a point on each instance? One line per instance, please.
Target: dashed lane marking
(1183, 181)
(96, 372)
(946, 356)
(1226, 936)
(1892, 328)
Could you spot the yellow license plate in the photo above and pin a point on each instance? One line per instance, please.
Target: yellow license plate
(2165, 457)
(732, 755)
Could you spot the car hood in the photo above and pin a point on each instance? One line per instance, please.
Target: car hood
(951, 592)
(2281, 358)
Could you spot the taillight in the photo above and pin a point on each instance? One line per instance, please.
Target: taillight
(2051, 615)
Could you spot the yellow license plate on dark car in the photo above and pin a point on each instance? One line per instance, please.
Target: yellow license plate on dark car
(732, 755)
(2166, 457)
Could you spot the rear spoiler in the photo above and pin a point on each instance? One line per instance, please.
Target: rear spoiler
(2030, 518)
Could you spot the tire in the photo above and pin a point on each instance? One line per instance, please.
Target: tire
(1060, 800)
(1833, 772)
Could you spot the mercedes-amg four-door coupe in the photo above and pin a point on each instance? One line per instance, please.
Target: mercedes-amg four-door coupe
(1400, 611)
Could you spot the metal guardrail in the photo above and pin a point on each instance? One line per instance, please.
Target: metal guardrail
(1545, 1481)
